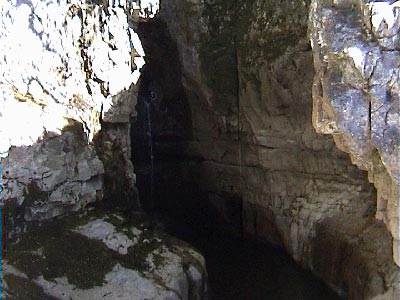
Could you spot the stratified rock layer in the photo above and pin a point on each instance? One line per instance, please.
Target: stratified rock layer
(356, 91)
(58, 175)
(247, 72)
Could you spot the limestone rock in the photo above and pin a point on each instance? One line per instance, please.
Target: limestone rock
(80, 56)
(60, 174)
(247, 71)
(62, 63)
(102, 255)
(105, 232)
(356, 91)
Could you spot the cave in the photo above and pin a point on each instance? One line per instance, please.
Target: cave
(227, 159)
(200, 150)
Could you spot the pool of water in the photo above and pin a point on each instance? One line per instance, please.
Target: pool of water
(241, 269)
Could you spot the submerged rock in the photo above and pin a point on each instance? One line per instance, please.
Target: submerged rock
(102, 255)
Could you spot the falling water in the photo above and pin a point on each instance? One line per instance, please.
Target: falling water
(150, 141)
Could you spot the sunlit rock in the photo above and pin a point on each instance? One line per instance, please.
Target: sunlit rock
(62, 63)
(79, 58)
(53, 177)
(356, 92)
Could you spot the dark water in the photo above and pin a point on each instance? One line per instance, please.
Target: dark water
(248, 270)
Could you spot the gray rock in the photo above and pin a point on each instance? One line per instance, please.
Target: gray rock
(83, 64)
(248, 73)
(51, 178)
(109, 261)
(356, 93)
(105, 232)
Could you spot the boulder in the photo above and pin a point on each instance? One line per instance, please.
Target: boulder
(101, 254)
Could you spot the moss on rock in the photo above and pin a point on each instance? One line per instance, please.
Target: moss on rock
(217, 51)
(241, 34)
(52, 251)
(19, 288)
(14, 212)
(33, 193)
(55, 249)
(119, 191)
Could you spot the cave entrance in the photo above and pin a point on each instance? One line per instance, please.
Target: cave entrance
(168, 176)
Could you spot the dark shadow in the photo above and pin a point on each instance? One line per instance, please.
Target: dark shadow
(167, 178)
(163, 124)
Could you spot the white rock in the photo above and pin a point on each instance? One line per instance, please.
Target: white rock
(103, 231)
(120, 283)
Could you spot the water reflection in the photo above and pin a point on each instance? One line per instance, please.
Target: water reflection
(248, 270)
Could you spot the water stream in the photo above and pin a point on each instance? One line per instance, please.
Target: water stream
(241, 269)
(151, 153)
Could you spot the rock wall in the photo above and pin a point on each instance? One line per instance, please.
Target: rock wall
(68, 71)
(356, 91)
(252, 154)
(68, 88)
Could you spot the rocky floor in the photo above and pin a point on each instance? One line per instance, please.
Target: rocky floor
(100, 255)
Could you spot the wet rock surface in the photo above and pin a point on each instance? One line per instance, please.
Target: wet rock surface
(102, 255)
(251, 156)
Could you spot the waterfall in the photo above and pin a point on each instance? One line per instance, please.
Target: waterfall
(150, 144)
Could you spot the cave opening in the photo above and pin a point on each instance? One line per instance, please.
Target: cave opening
(169, 175)
(227, 148)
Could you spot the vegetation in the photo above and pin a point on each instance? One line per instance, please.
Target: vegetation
(54, 250)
